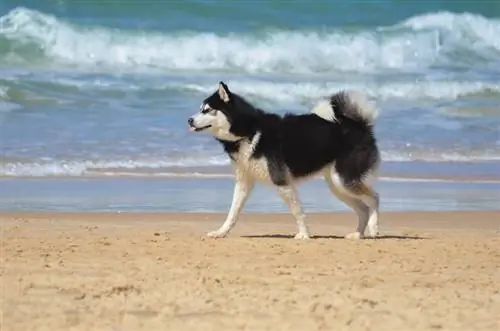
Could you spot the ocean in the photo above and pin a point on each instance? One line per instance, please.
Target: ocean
(103, 89)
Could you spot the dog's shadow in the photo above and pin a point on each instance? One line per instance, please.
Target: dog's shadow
(384, 237)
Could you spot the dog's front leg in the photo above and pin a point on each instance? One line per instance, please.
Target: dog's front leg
(242, 189)
(291, 198)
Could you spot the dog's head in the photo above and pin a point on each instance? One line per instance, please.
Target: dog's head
(220, 114)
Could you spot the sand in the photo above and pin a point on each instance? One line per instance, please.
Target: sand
(429, 271)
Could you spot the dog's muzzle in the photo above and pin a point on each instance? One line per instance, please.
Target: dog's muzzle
(193, 127)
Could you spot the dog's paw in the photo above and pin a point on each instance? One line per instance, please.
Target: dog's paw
(302, 236)
(373, 232)
(354, 236)
(216, 234)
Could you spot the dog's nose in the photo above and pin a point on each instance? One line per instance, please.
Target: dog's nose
(190, 121)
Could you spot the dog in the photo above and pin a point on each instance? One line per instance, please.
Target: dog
(335, 140)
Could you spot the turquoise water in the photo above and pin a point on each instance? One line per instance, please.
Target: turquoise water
(105, 87)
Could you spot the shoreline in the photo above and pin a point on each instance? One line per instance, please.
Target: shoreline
(215, 176)
(404, 171)
(214, 195)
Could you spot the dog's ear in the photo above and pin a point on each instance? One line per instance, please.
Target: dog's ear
(224, 93)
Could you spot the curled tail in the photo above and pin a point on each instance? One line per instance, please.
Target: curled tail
(352, 105)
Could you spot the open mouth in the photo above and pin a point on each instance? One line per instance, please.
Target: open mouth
(195, 129)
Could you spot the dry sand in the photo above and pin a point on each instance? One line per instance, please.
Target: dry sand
(157, 272)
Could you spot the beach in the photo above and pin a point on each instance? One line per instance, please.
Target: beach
(157, 271)
(106, 196)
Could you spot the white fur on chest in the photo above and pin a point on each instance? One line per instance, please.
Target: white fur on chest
(248, 167)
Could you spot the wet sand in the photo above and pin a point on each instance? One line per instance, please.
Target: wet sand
(139, 271)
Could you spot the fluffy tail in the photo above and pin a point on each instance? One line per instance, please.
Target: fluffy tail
(352, 105)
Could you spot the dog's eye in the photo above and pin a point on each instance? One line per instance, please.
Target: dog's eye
(208, 110)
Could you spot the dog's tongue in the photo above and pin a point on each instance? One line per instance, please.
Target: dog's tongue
(191, 129)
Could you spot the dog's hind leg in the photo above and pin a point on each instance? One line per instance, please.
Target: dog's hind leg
(362, 210)
(242, 190)
(291, 198)
(371, 198)
(361, 198)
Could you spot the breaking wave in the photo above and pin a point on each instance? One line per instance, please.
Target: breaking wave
(439, 39)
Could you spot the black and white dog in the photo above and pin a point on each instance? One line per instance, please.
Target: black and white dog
(336, 140)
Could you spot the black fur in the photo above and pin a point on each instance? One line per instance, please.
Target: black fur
(304, 144)
(277, 169)
(230, 147)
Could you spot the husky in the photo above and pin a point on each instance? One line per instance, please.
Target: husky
(335, 140)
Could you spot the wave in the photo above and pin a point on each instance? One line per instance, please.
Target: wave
(421, 42)
(44, 90)
(304, 92)
(101, 167)
(197, 165)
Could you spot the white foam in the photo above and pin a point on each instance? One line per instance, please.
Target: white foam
(82, 168)
(3, 91)
(440, 156)
(306, 92)
(464, 27)
(284, 94)
(274, 51)
(154, 167)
